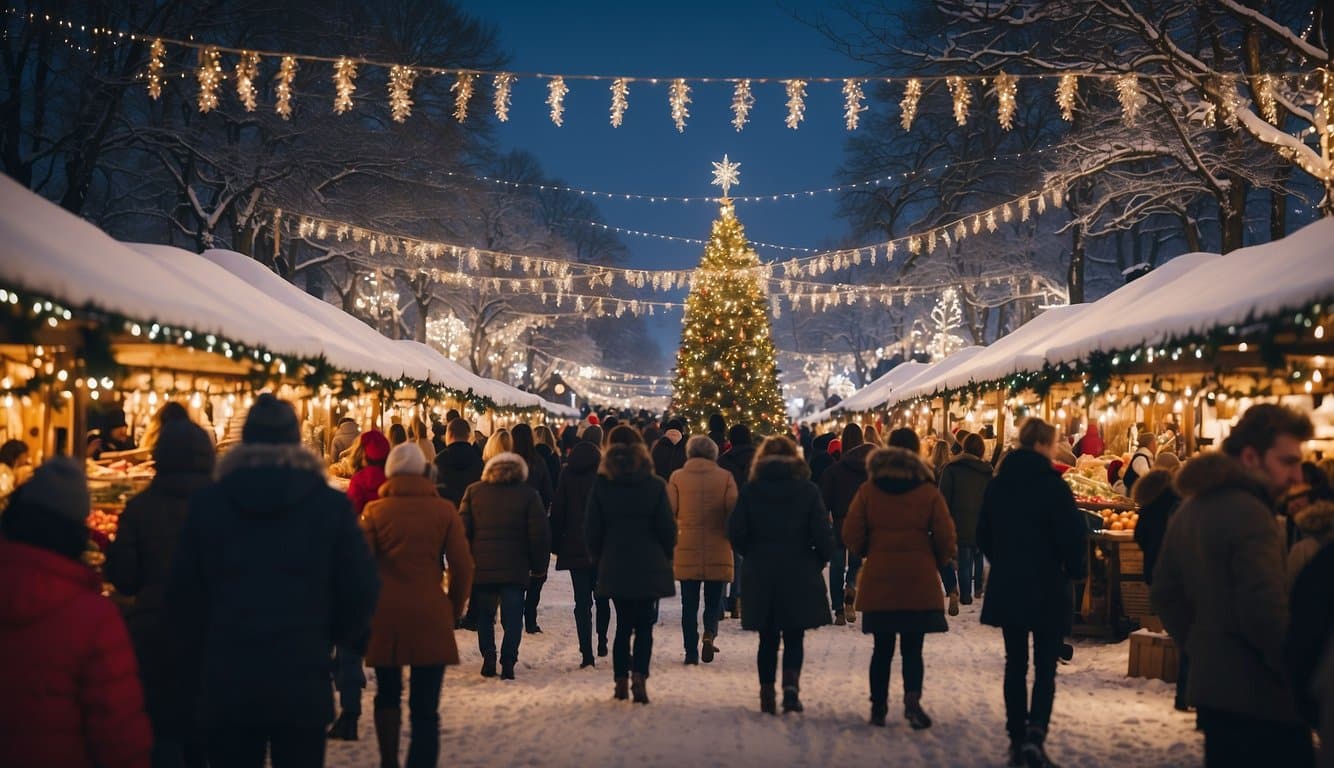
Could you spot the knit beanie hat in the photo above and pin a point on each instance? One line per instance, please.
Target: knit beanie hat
(58, 486)
(405, 459)
(271, 421)
(593, 419)
(835, 447)
(592, 435)
(375, 445)
(183, 446)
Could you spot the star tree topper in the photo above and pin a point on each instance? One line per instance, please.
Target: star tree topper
(726, 174)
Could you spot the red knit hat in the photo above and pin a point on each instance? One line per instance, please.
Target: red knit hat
(375, 445)
(835, 446)
(593, 419)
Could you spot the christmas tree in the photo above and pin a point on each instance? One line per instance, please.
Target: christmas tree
(946, 318)
(726, 360)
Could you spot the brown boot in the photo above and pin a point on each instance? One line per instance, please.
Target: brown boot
(710, 649)
(388, 723)
(840, 618)
(639, 688)
(849, 603)
(791, 687)
(622, 689)
(768, 699)
(954, 603)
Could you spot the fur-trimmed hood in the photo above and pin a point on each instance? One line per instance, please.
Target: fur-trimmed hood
(1216, 471)
(1317, 520)
(775, 468)
(626, 463)
(1152, 486)
(897, 464)
(265, 479)
(505, 469)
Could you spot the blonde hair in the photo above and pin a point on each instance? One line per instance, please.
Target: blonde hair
(546, 437)
(869, 435)
(499, 443)
(774, 445)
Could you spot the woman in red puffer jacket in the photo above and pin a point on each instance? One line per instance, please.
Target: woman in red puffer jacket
(365, 485)
(71, 696)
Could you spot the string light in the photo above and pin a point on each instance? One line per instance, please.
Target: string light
(1127, 91)
(1066, 89)
(209, 75)
(912, 91)
(620, 91)
(1007, 89)
(345, 71)
(401, 80)
(678, 95)
(796, 102)
(556, 90)
(502, 82)
(962, 95)
(742, 101)
(247, 69)
(157, 61)
(853, 103)
(1265, 94)
(283, 88)
(462, 88)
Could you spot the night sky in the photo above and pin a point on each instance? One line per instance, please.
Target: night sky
(646, 155)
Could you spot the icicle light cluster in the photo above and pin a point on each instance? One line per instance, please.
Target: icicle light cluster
(501, 99)
(796, 103)
(283, 87)
(462, 89)
(678, 95)
(620, 92)
(556, 90)
(742, 101)
(157, 61)
(1265, 93)
(345, 72)
(1007, 89)
(247, 69)
(912, 92)
(854, 103)
(401, 80)
(963, 96)
(210, 77)
(1127, 91)
(1066, 90)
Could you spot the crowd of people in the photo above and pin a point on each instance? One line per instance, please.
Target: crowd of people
(256, 584)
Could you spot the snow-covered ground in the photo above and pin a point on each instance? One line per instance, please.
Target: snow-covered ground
(555, 714)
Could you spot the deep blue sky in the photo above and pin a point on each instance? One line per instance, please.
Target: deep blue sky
(690, 38)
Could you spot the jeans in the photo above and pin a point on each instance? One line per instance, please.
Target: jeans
(1232, 739)
(349, 678)
(242, 745)
(423, 708)
(531, 598)
(971, 570)
(584, 581)
(794, 653)
(509, 599)
(914, 671)
(713, 600)
(634, 618)
(1019, 716)
(843, 569)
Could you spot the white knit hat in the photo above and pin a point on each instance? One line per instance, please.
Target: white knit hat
(405, 459)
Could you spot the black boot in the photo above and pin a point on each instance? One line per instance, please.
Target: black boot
(1016, 754)
(344, 728)
(913, 712)
(602, 646)
(709, 649)
(1033, 752)
(878, 713)
(587, 660)
(768, 699)
(639, 688)
(489, 665)
(507, 671)
(791, 687)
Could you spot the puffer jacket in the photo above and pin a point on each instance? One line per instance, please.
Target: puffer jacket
(569, 531)
(1316, 523)
(506, 523)
(702, 495)
(631, 532)
(963, 484)
(71, 694)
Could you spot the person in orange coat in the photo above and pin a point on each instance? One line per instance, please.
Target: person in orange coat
(899, 523)
(71, 695)
(408, 530)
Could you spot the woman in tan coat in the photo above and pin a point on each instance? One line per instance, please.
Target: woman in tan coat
(702, 495)
(899, 523)
(409, 529)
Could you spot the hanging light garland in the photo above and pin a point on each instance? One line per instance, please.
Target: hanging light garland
(345, 72)
(401, 80)
(1066, 89)
(1127, 91)
(209, 75)
(283, 87)
(1007, 89)
(678, 95)
(912, 92)
(556, 90)
(157, 61)
(247, 69)
(620, 92)
(462, 89)
(1265, 94)
(742, 101)
(502, 82)
(962, 96)
(854, 103)
(796, 103)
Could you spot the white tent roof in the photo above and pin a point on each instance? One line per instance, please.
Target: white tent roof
(926, 382)
(881, 389)
(1021, 350)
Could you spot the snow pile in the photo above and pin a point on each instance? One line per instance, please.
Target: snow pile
(555, 714)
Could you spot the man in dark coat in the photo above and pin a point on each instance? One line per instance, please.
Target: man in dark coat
(737, 461)
(1220, 587)
(963, 483)
(669, 451)
(821, 458)
(569, 541)
(270, 573)
(459, 465)
(1309, 651)
(837, 487)
(139, 564)
(1036, 540)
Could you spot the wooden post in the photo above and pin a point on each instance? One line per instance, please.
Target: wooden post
(1000, 417)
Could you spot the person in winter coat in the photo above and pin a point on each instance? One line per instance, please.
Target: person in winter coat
(548, 451)
(826, 450)
(343, 438)
(900, 524)
(737, 460)
(1157, 501)
(138, 564)
(781, 529)
(631, 535)
(438, 431)
(409, 529)
(365, 485)
(702, 495)
(71, 694)
(511, 542)
(458, 465)
(271, 572)
(718, 431)
(963, 484)
(569, 542)
(1036, 540)
(1091, 443)
(1309, 650)
(838, 486)
(525, 444)
(1316, 522)
(1221, 588)
(669, 451)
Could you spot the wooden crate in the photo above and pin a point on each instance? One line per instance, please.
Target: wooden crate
(1132, 559)
(1135, 603)
(1152, 655)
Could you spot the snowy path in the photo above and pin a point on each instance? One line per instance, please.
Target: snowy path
(555, 714)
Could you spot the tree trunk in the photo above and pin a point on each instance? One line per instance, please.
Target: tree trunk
(1232, 215)
(1074, 280)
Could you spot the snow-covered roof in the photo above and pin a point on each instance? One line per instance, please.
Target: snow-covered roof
(881, 389)
(926, 382)
(1021, 350)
